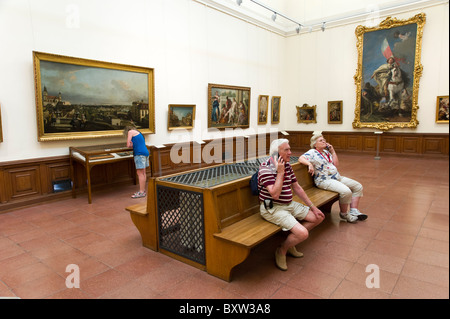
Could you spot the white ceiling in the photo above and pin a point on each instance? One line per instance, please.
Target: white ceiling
(312, 13)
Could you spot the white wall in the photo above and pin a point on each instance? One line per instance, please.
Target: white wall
(322, 65)
(190, 45)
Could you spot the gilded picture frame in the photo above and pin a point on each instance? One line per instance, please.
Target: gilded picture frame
(442, 114)
(306, 114)
(1, 130)
(275, 109)
(263, 108)
(181, 116)
(78, 98)
(388, 73)
(334, 112)
(228, 106)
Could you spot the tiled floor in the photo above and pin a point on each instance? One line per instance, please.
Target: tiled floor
(406, 237)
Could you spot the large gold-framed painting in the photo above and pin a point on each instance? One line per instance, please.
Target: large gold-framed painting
(388, 73)
(1, 134)
(79, 98)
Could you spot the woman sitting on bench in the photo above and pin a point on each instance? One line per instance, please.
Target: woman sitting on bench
(275, 179)
(322, 162)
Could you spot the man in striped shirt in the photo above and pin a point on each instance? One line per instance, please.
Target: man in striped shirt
(277, 180)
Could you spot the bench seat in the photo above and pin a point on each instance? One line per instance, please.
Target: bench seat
(139, 209)
(248, 232)
(319, 197)
(253, 230)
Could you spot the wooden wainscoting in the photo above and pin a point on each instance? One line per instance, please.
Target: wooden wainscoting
(29, 182)
(427, 144)
(192, 155)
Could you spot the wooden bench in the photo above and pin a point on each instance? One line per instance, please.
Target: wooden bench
(232, 223)
(143, 215)
(237, 240)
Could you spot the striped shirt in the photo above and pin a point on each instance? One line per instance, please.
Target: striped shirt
(267, 176)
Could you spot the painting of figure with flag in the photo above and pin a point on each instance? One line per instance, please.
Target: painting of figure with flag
(392, 83)
(388, 73)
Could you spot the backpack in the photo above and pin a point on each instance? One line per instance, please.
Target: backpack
(254, 184)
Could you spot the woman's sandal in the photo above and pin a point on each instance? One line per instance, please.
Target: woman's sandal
(138, 195)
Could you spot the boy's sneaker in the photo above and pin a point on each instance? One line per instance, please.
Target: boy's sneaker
(349, 218)
(355, 212)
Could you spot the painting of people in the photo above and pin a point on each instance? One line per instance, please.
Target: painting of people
(335, 112)
(388, 75)
(276, 109)
(306, 114)
(228, 106)
(263, 107)
(442, 114)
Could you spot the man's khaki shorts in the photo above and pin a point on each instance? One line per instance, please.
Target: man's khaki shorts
(285, 216)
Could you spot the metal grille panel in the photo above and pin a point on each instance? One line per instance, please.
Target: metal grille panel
(220, 174)
(181, 223)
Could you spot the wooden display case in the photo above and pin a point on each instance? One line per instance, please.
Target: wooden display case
(90, 156)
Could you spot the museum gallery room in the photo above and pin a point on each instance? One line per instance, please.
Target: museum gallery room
(130, 132)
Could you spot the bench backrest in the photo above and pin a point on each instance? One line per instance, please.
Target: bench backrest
(303, 177)
(234, 200)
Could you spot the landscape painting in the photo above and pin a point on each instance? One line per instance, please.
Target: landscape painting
(180, 117)
(79, 98)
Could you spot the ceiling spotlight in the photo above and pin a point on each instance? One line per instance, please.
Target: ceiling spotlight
(274, 16)
(323, 27)
(239, 2)
(297, 29)
(310, 29)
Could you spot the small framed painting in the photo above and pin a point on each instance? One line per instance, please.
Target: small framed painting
(1, 134)
(335, 112)
(180, 117)
(263, 106)
(276, 109)
(442, 115)
(306, 114)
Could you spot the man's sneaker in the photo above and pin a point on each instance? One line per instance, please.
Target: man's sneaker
(349, 218)
(355, 212)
